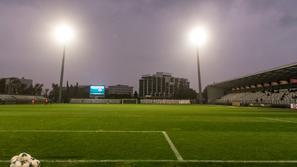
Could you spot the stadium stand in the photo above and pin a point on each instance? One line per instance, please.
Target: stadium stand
(275, 87)
(284, 97)
(20, 99)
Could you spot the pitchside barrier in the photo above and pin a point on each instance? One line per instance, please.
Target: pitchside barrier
(235, 103)
(21, 99)
(129, 101)
(164, 101)
(96, 101)
(293, 106)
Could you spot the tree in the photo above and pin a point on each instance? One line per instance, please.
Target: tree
(75, 90)
(46, 92)
(2, 86)
(83, 92)
(135, 94)
(54, 93)
(185, 93)
(37, 89)
(67, 93)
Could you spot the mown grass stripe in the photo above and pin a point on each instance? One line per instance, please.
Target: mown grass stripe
(279, 120)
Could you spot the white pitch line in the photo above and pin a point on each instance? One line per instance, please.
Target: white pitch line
(243, 161)
(279, 120)
(78, 131)
(176, 161)
(172, 146)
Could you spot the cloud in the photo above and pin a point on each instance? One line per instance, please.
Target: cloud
(288, 21)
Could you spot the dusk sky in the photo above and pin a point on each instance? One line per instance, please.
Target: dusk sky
(117, 41)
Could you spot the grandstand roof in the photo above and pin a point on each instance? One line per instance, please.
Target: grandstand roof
(284, 72)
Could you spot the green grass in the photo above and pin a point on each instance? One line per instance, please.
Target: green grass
(199, 132)
(87, 145)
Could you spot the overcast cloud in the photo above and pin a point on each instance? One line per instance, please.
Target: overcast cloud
(119, 40)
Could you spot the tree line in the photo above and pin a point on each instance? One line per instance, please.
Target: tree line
(16, 87)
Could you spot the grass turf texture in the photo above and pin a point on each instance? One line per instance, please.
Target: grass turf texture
(199, 132)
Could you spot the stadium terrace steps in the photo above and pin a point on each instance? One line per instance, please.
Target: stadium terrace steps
(283, 97)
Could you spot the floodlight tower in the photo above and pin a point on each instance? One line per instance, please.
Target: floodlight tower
(64, 34)
(198, 37)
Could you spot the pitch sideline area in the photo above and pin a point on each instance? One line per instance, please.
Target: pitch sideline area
(148, 134)
(166, 137)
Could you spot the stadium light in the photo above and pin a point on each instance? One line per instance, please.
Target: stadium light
(64, 34)
(198, 37)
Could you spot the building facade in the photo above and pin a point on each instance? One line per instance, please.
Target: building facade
(26, 82)
(13, 85)
(120, 90)
(161, 85)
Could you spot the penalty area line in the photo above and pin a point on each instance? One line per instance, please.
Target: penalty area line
(172, 146)
(164, 161)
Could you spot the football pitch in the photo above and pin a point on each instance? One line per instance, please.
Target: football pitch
(149, 135)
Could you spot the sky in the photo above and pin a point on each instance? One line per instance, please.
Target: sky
(117, 41)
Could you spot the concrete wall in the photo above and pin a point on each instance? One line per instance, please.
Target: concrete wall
(214, 93)
(119, 101)
(164, 101)
(20, 99)
(96, 101)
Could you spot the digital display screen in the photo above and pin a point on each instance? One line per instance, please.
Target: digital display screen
(97, 90)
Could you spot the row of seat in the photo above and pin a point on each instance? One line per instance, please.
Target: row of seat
(281, 97)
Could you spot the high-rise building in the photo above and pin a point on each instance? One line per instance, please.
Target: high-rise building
(161, 85)
(12, 85)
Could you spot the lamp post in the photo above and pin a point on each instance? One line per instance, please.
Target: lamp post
(198, 37)
(199, 76)
(64, 33)
(62, 75)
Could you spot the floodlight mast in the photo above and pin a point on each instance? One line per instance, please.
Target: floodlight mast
(199, 75)
(64, 33)
(198, 37)
(62, 74)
